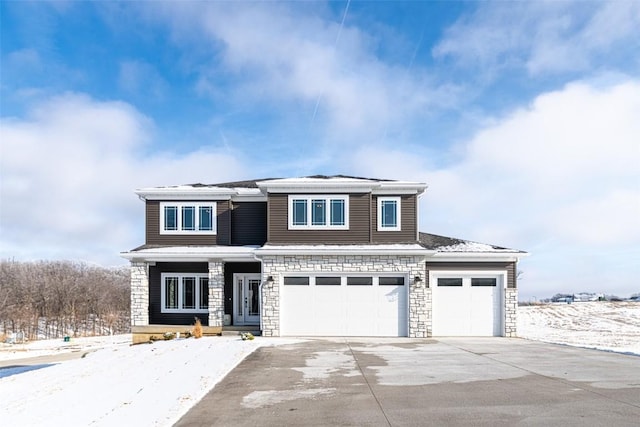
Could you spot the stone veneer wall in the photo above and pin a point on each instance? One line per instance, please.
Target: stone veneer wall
(139, 294)
(216, 293)
(510, 312)
(275, 266)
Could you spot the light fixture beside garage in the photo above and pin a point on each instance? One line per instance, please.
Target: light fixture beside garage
(417, 281)
(269, 280)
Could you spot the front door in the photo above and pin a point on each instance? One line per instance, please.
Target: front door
(246, 292)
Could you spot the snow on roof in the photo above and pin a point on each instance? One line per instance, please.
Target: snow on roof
(451, 244)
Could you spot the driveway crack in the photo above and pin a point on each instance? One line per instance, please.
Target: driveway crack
(368, 384)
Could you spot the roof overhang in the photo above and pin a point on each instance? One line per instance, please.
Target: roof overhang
(192, 254)
(188, 192)
(477, 256)
(342, 185)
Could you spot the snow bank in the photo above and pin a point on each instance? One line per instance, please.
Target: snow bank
(612, 326)
(149, 384)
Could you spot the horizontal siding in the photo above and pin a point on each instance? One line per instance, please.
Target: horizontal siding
(156, 317)
(153, 236)
(358, 232)
(249, 223)
(462, 266)
(408, 217)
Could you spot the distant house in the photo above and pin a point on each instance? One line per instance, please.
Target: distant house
(587, 296)
(318, 255)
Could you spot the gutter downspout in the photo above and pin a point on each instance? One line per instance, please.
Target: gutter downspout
(260, 292)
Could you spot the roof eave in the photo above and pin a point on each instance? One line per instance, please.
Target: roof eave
(478, 256)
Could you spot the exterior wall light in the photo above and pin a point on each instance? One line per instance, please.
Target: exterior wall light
(417, 281)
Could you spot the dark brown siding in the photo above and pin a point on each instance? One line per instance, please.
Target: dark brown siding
(249, 223)
(358, 232)
(156, 317)
(509, 266)
(408, 226)
(230, 268)
(153, 236)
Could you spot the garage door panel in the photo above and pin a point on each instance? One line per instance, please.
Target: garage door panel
(462, 309)
(360, 309)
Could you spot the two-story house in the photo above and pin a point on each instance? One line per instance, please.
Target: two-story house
(313, 256)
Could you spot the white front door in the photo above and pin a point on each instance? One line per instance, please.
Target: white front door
(246, 293)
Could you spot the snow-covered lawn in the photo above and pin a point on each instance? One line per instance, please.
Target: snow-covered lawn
(613, 326)
(155, 384)
(149, 384)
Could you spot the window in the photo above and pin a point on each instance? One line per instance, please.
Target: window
(391, 281)
(450, 281)
(178, 218)
(484, 281)
(328, 281)
(388, 213)
(184, 292)
(296, 281)
(359, 281)
(318, 212)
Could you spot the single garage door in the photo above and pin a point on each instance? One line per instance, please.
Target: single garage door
(467, 305)
(344, 306)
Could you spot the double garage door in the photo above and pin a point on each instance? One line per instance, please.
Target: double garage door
(356, 305)
(467, 304)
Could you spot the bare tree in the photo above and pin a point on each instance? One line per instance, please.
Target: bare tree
(49, 299)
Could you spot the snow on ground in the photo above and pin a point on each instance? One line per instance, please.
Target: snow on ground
(58, 346)
(149, 384)
(612, 326)
(155, 384)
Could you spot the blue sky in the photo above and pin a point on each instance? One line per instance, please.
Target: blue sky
(522, 117)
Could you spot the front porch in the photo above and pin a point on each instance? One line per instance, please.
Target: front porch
(167, 296)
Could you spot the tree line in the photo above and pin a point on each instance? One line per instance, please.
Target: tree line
(53, 299)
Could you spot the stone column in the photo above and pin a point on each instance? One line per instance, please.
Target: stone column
(270, 314)
(510, 312)
(139, 293)
(216, 293)
(419, 305)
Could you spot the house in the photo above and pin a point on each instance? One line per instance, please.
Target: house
(313, 256)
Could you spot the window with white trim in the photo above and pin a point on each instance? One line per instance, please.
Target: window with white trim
(318, 212)
(183, 218)
(184, 293)
(388, 213)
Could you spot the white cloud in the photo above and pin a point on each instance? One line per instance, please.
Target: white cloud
(543, 36)
(68, 174)
(290, 54)
(559, 178)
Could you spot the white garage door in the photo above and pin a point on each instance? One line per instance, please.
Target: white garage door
(344, 306)
(467, 304)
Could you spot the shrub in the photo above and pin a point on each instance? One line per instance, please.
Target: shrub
(197, 329)
(247, 336)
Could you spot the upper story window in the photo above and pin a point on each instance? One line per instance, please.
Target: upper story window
(388, 213)
(318, 212)
(179, 218)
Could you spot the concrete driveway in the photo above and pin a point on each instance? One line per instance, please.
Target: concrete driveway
(409, 382)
